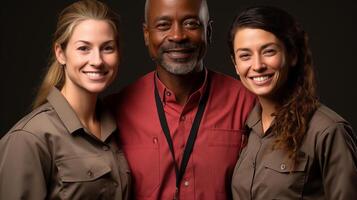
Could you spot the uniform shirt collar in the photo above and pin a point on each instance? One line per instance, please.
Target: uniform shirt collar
(254, 122)
(70, 119)
(167, 96)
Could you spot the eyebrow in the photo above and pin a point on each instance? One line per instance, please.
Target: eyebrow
(162, 18)
(263, 47)
(168, 18)
(86, 42)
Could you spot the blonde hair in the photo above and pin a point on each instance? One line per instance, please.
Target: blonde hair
(68, 19)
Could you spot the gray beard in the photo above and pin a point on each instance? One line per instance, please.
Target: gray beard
(178, 68)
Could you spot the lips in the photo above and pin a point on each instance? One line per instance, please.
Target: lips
(181, 53)
(95, 75)
(262, 79)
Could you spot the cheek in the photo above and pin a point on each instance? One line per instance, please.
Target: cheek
(75, 59)
(242, 67)
(276, 63)
(112, 61)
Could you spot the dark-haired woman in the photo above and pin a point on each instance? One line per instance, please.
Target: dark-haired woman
(297, 148)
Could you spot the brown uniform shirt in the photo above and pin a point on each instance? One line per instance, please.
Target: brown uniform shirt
(49, 155)
(326, 168)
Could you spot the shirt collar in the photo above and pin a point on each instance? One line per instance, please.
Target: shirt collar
(166, 95)
(70, 119)
(254, 116)
(254, 121)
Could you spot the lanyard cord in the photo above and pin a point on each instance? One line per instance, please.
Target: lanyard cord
(191, 138)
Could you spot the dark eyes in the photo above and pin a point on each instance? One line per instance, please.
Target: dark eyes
(83, 48)
(109, 48)
(269, 52)
(163, 26)
(190, 24)
(244, 56)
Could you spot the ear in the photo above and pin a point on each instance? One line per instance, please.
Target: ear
(235, 64)
(209, 31)
(146, 33)
(60, 56)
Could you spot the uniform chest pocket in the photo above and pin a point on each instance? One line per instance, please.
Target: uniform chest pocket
(85, 177)
(221, 156)
(281, 179)
(82, 169)
(225, 137)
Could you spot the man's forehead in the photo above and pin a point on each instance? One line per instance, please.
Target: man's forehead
(191, 7)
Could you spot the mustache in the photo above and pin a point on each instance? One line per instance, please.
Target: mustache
(169, 46)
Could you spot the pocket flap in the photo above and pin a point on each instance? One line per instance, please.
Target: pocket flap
(80, 169)
(277, 160)
(225, 137)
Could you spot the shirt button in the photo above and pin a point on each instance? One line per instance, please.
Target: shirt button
(155, 140)
(186, 183)
(105, 148)
(182, 118)
(115, 183)
(168, 93)
(89, 173)
(282, 166)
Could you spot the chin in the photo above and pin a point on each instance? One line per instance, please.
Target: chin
(95, 89)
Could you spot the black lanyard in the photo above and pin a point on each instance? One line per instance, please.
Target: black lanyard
(191, 138)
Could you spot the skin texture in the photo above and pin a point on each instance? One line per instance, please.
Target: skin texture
(91, 48)
(260, 59)
(176, 34)
(91, 61)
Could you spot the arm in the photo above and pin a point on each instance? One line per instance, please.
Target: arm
(337, 153)
(24, 166)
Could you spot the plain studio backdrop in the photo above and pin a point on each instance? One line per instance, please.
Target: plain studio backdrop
(27, 28)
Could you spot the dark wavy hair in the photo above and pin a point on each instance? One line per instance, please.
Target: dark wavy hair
(297, 98)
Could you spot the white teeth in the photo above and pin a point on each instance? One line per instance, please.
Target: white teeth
(260, 78)
(94, 74)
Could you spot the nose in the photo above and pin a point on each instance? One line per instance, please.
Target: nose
(258, 64)
(177, 34)
(96, 59)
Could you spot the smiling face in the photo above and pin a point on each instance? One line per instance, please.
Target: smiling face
(259, 59)
(176, 34)
(91, 57)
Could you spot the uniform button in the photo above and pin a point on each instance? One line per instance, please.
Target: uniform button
(168, 93)
(89, 173)
(186, 183)
(155, 140)
(115, 183)
(182, 118)
(105, 148)
(282, 166)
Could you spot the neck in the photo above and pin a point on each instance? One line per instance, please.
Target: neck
(182, 85)
(84, 105)
(268, 108)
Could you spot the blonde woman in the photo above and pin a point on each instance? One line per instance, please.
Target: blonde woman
(66, 147)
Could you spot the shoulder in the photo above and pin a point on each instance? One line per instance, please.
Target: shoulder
(36, 122)
(229, 86)
(326, 123)
(324, 118)
(136, 90)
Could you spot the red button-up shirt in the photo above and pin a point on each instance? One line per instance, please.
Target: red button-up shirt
(209, 170)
